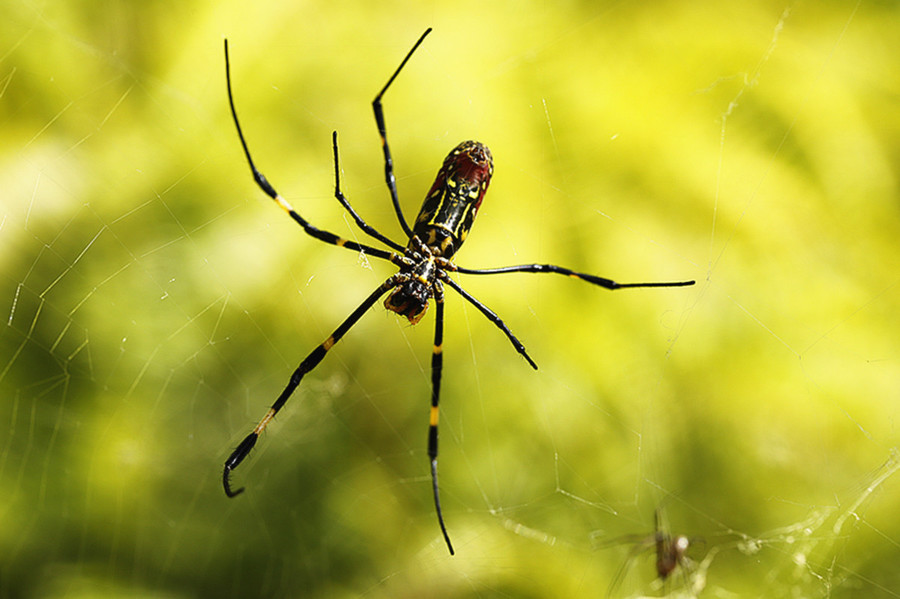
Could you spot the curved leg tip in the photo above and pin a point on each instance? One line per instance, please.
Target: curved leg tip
(449, 546)
(236, 457)
(437, 505)
(227, 484)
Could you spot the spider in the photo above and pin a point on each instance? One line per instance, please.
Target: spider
(670, 551)
(424, 264)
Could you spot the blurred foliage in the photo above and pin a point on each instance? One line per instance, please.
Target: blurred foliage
(156, 302)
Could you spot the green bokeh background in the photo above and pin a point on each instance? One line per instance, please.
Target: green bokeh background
(155, 301)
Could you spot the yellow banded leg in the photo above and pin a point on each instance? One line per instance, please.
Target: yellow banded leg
(437, 362)
(269, 190)
(385, 148)
(308, 363)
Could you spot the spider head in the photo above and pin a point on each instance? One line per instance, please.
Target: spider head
(409, 299)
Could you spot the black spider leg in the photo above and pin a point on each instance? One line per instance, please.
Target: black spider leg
(309, 362)
(362, 224)
(543, 268)
(437, 364)
(490, 315)
(264, 184)
(382, 130)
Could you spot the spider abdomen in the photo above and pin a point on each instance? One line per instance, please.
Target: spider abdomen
(452, 202)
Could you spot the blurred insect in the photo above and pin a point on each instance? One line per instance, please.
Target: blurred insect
(671, 551)
(424, 263)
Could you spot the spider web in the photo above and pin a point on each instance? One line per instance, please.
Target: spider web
(155, 302)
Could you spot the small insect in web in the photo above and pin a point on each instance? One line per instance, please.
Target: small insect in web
(424, 264)
(670, 551)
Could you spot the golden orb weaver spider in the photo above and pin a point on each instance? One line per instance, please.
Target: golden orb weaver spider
(440, 229)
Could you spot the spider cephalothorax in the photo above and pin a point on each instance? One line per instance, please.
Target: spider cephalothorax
(418, 281)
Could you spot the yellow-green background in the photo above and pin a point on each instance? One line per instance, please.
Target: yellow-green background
(154, 301)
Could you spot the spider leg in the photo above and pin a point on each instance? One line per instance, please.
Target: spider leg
(267, 187)
(490, 315)
(639, 546)
(362, 224)
(437, 362)
(543, 268)
(382, 130)
(309, 362)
